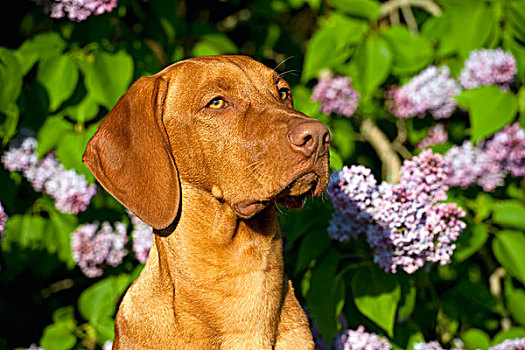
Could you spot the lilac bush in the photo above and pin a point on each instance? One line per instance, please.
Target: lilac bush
(336, 95)
(76, 10)
(71, 191)
(431, 91)
(403, 223)
(488, 67)
(93, 248)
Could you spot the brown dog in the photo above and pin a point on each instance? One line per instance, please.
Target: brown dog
(202, 151)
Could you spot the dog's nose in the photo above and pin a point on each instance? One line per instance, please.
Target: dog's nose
(309, 137)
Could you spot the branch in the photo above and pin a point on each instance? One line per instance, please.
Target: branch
(385, 151)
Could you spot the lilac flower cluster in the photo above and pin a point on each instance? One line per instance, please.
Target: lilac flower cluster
(71, 191)
(34, 347)
(76, 10)
(3, 221)
(510, 344)
(431, 91)
(360, 340)
(488, 67)
(487, 163)
(142, 235)
(436, 135)
(403, 223)
(434, 345)
(336, 95)
(93, 248)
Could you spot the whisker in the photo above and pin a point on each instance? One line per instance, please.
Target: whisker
(282, 62)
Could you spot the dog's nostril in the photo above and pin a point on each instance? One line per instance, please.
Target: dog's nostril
(309, 137)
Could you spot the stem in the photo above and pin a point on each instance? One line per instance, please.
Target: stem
(409, 18)
(384, 149)
(391, 6)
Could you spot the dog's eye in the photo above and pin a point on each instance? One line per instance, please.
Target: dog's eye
(216, 103)
(284, 93)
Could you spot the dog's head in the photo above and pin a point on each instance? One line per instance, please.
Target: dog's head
(221, 124)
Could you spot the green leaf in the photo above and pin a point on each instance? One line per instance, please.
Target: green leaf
(470, 241)
(83, 112)
(336, 162)
(312, 246)
(471, 25)
(511, 333)
(324, 294)
(70, 149)
(58, 336)
(490, 109)
(329, 47)
(38, 46)
(214, 44)
(27, 231)
(475, 339)
(58, 234)
(59, 76)
(11, 77)
(510, 213)
(105, 329)
(51, 133)
(360, 8)
(376, 295)
(515, 18)
(508, 247)
(411, 53)
(108, 77)
(408, 299)
(370, 66)
(342, 137)
(99, 301)
(515, 301)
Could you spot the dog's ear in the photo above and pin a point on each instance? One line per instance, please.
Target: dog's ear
(131, 157)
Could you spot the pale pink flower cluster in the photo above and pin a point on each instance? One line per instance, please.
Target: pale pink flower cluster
(510, 344)
(436, 135)
(142, 235)
(488, 67)
(95, 248)
(337, 95)
(71, 191)
(76, 10)
(360, 340)
(488, 163)
(431, 91)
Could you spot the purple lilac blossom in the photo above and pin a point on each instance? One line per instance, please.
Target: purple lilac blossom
(108, 345)
(76, 10)
(21, 154)
(360, 340)
(142, 235)
(431, 91)
(93, 249)
(3, 221)
(436, 135)
(403, 223)
(488, 67)
(34, 347)
(510, 344)
(336, 95)
(487, 163)
(71, 191)
(507, 148)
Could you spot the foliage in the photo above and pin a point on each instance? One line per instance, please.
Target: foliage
(60, 78)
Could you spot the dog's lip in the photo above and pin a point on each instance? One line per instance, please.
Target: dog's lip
(249, 208)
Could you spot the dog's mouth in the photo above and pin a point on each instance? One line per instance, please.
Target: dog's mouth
(292, 196)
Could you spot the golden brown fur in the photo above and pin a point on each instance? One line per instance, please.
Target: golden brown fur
(207, 180)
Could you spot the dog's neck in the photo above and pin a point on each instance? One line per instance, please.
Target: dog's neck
(209, 237)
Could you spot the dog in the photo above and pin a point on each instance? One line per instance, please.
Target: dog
(203, 152)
